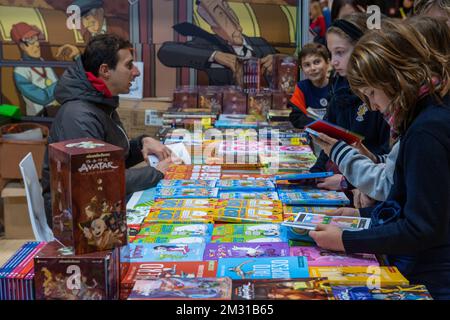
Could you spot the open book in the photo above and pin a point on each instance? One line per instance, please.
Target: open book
(178, 150)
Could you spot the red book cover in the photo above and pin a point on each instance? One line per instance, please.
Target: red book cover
(335, 131)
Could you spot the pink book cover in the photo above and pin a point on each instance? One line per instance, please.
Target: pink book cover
(318, 257)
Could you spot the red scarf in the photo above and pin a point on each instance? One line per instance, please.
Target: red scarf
(99, 84)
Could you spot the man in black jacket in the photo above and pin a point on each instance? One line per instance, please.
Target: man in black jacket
(88, 94)
(215, 53)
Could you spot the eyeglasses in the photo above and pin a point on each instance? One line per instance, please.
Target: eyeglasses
(30, 41)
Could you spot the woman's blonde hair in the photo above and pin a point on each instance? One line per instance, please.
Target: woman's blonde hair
(398, 60)
(359, 20)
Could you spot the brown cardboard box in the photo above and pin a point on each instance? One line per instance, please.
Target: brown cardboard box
(13, 151)
(143, 116)
(16, 218)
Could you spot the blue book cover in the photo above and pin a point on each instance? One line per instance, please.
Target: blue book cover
(245, 185)
(248, 195)
(410, 292)
(154, 252)
(186, 184)
(175, 193)
(311, 196)
(303, 176)
(263, 268)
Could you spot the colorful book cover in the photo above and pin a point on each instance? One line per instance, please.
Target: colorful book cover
(186, 184)
(155, 252)
(215, 251)
(303, 176)
(171, 239)
(282, 289)
(335, 131)
(308, 221)
(245, 185)
(231, 214)
(249, 203)
(180, 215)
(318, 257)
(245, 239)
(249, 195)
(401, 292)
(182, 289)
(357, 276)
(160, 229)
(259, 229)
(289, 211)
(175, 193)
(309, 196)
(185, 203)
(263, 268)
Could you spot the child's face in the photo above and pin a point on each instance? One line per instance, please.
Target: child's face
(378, 100)
(315, 67)
(341, 49)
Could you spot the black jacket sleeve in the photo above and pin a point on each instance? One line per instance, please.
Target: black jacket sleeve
(298, 119)
(138, 179)
(426, 213)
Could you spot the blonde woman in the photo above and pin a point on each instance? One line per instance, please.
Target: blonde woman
(397, 73)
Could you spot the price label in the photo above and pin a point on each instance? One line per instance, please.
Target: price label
(206, 122)
(295, 141)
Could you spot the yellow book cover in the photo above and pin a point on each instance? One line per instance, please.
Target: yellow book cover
(261, 215)
(181, 215)
(366, 276)
(185, 203)
(249, 203)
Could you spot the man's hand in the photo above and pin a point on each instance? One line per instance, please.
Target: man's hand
(152, 146)
(330, 183)
(346, 212)
(67, 52)
(325, 142)
(163, 166)
(328, 237)
(361, 200)
(226, 59)
(365, 152)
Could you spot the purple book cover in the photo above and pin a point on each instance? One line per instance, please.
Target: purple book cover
(318, 257)
(216, 251)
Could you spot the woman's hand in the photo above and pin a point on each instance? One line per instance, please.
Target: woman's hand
(325, 142)
(330, 183)
(328, 237)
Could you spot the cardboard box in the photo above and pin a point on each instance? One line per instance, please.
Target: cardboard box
(16, 218)
(143, 116)
(87, 180)
(13, 151)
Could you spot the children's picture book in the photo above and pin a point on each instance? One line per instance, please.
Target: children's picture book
(171, 239)
(246, 239)
(188, 215)
(180, 193)
(357, 276)
(249, 195)
(311, 196)
(192, 229)
(182, 289)
(263, 268)
(259, 229)
(186, 184)
(318, 257)
(400, 292)
(185, 203)
(215, 251)
(308, 221)
(282, 289)
(249, 203)
(303, 176)
(248, 215)
(155, 252)
(335, 131)
(245, 185)
(294, 210)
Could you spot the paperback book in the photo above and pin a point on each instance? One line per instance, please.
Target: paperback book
(156, 252)
(248, 215)
(186, 184)
(182, 215)
(249, 195)
(176, 193)
(312, 197)
(159, 229)
(318, 257)
(245, 185)
(400, 292)
(215, 251)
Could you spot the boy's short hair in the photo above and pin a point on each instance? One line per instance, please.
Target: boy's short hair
(315, 49)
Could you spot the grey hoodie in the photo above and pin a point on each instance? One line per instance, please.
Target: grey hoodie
(87, 113)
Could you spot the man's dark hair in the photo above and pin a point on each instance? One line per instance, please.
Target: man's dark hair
(102, 49)
(315, 49)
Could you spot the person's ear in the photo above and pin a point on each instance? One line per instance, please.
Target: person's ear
(104, 71)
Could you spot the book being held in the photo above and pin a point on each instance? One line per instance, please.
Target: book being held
(334, 131)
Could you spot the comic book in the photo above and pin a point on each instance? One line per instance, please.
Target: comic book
(249, 203)
(215, 251)
(305, 196)
(318, 257)
(154, 270)
(184, 203)
(400, 292)
(186, 184)
(356, 276)
(171, 239)
(282, 289)
(259, 229)
(248, 215)
(246, 238)
(182, 289)
(160, 229)
(245, 185)
(181, 215)
(155, 252)
(175, 193)
(248, 195)
(263, 268)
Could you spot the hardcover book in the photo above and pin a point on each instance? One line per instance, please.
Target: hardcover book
(249, 195)
(182, 289)
(155, 252)
(245, 185)
(176, 193)
(318, 257)
(185, 203)
(234, 214)
(263, 268)
(400, 292)
(186, 184)
(260, 229)
(215, 251)
(191, 229)
(311, 196)
(282, 289)
(182, 215)
(335, 131)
